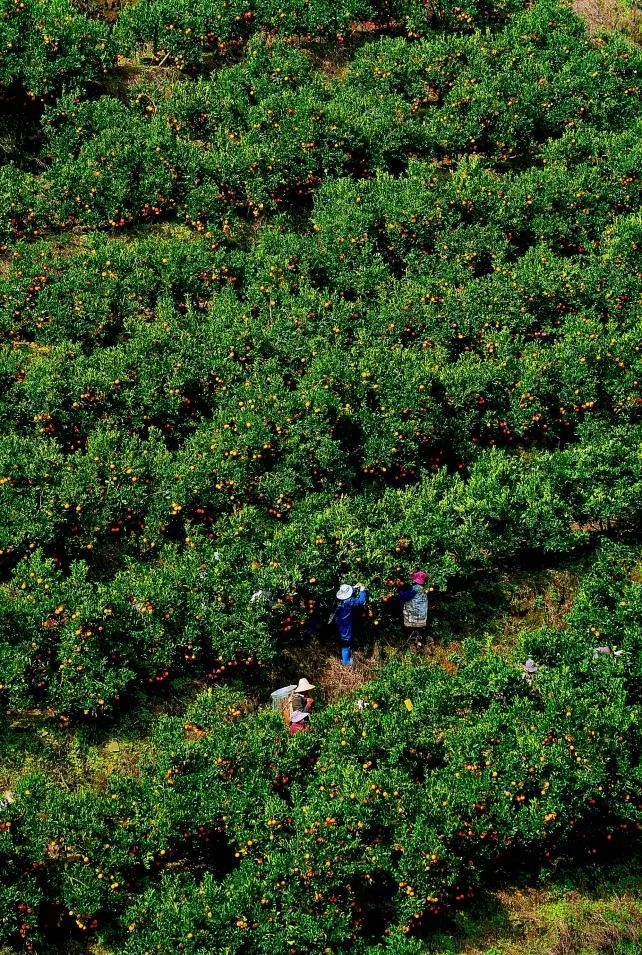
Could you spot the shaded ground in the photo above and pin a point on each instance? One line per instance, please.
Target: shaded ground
(328, 674)
(521, 602)
(105, 9)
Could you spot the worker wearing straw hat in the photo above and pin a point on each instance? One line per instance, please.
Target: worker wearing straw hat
(300, 700)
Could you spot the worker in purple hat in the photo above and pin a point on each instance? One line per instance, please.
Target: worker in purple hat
(299, 722)
(414, 601)
(529, 670)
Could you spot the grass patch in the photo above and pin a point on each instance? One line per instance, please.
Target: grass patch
(603, 16)
(585, 912)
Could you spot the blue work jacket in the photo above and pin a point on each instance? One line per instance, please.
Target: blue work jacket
(343, 614)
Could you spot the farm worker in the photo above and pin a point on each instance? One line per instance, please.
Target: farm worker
(415, 602)
(530, 668)
(265, 597)
(346, 603)
(607, 650)
(299, 722)
(299, 701)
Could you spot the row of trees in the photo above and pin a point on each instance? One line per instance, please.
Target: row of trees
(387, 275)
(49, 45)
(263, 136)
(336, 319)
(357, 835)
(79, 641)
(187, 33)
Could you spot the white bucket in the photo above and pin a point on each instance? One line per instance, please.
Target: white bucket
(279, 697)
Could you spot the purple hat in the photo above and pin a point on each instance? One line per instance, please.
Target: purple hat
(530, 666)
(419, 577)
(298, 716)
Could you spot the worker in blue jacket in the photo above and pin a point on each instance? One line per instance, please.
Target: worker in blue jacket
(347, 599)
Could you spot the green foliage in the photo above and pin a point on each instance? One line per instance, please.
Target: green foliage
(429, 375)
(272, 317)
(47, 46)
(369, 827)
(265, 134)
(189, 32)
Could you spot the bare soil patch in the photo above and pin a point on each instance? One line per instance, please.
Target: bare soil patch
(603, 16)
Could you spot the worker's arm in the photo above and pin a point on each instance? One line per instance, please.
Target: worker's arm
(405, 593)
(359, 600)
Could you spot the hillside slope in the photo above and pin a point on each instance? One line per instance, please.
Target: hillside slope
(289, 296)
